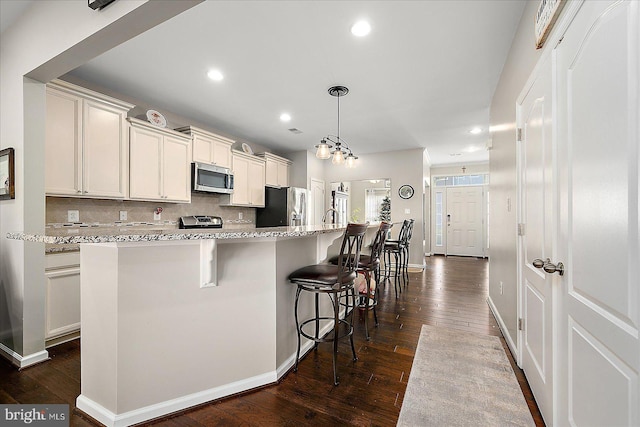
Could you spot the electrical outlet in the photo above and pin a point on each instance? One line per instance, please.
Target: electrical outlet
(240, 215)
(501, 287)
(123, 215)
(407, 211)
(73, 216)
(157, 216)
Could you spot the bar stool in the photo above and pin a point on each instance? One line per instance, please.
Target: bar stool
(370, 264)
(332, 280)
(399, 249)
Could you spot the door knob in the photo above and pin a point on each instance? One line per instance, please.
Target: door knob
(548, 266)
(538, 263)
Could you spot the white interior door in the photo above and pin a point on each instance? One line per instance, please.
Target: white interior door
(465, 221)
(537, 209)
(317, 199)
(599, 311)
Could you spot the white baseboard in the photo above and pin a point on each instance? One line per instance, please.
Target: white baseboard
(504, 330)
(421, 266)
(108, 418)
(23, 361)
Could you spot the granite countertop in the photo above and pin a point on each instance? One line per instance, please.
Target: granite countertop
(74, 236)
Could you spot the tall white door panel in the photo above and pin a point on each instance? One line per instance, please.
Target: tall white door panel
(598, 123)
(465, 221)
(537, 207)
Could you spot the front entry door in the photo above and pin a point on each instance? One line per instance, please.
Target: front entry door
(598, 131)
(536, 241)
(465, 221)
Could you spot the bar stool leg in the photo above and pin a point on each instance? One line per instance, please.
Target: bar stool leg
(376, 275)
(336, 328)
(353, 347)
(295, 368)
(317, 307)
(367, 280)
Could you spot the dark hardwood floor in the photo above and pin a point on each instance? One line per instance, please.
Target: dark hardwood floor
(451, 292)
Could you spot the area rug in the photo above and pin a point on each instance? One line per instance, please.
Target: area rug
(462, 379)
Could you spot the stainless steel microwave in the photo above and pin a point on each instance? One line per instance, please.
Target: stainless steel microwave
(211, 178)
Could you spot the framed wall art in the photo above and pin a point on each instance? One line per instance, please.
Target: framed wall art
(7, 174)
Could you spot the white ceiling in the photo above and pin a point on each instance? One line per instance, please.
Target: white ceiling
(423, 78)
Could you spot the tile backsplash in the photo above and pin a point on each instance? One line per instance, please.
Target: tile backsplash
(108, 211)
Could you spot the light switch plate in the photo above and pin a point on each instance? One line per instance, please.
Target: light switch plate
(123, 215)
(73, 216)
(157, 216)
(407, 211)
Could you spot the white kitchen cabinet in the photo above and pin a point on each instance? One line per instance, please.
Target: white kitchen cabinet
(277, 170)
(86, 149)
(62, 281)
(160, 163)
(208, 147)
(248, 178)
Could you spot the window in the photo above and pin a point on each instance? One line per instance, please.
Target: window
(372, 200)
(456, 180)
(439, 218)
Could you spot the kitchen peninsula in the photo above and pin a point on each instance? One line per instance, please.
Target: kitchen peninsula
(175, 318)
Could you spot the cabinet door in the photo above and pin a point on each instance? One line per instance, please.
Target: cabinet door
(175, 170)
(271, 173)
(283, 174)
(256, 183)
(144, 175)
(202, 149)
(221, 154)
(241, 194)
(104, 151)
(63, 148)
(62, 301)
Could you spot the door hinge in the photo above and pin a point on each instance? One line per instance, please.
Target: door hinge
(519, 134)
(520, 229)
(520, 324)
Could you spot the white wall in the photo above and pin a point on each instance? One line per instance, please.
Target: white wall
(50, 39)
(402, 167)
(502, 167)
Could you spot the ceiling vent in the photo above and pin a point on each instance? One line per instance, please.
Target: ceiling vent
(296, 131)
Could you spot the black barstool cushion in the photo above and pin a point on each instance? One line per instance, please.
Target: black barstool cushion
(320, 274)
(365, 262)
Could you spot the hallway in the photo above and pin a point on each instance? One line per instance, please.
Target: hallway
(451, 293)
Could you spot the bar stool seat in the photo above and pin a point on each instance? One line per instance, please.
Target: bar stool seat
(333, 281)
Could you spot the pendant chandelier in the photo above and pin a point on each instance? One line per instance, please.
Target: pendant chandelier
(342, 153)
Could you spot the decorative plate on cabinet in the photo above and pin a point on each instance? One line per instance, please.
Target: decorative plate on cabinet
(246, 148)
(156, 119)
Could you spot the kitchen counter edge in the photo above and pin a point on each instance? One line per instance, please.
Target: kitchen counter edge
(164, 235)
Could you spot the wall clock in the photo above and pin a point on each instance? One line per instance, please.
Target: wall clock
(405, 191)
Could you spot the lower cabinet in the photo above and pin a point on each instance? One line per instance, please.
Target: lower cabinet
(62, 277)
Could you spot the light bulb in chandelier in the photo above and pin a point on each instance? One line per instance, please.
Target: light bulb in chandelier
(338, 156)
(350, 161)
(323, 151)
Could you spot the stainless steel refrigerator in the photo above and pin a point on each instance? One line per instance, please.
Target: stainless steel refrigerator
(284, 206)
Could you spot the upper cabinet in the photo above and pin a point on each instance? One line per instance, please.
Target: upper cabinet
(160, 163)
(277, 170)
(86, 151)
(248, 180)
(208, 147)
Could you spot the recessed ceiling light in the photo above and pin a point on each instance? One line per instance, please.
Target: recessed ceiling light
(475, 131)
(361, 29)
(215, 75)
(285, 117)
